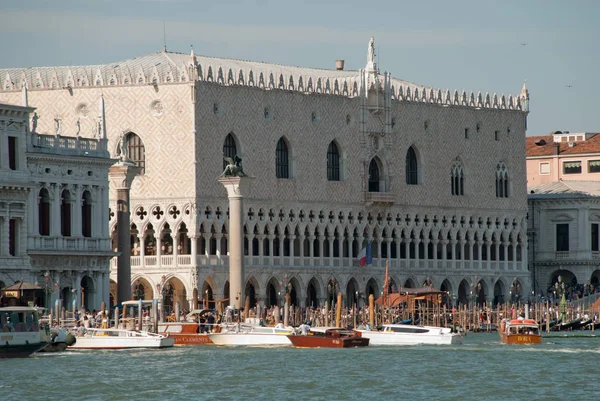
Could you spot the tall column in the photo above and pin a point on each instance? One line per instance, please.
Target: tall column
(121, 176)
(236, 187)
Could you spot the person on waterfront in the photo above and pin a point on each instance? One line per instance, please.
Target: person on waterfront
(79, 329)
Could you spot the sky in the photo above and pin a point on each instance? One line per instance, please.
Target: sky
(475, 45)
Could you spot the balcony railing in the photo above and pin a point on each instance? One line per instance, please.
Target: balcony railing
(68, 244)
(379, 198)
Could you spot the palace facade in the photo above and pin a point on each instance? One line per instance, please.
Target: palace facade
(434, 180)
(53, 209)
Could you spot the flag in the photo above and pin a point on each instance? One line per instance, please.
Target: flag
(365, 257)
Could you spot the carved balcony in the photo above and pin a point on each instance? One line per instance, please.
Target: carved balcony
(379, 198)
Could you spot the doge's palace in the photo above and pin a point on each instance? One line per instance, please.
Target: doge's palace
(430, 180)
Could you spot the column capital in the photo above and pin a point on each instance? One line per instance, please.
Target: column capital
(121, 175)
(236, 186)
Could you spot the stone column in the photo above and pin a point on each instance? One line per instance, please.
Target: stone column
(236, 187)
(121, 176)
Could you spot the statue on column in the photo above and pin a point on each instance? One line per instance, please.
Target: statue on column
(123, 148)
(234, 167)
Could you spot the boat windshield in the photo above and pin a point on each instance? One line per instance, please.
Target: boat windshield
(18, 321)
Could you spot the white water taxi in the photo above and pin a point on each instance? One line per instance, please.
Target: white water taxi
(406, 334)
(20, 335)
(120, 339)
(240, 334)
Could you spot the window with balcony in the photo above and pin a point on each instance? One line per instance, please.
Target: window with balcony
(562, 237)
(374, 174)
(573, 167)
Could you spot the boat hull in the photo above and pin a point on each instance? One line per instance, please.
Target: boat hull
(184, 333)
(390, 338)
(85, 343)
(311, 341)
(233, 339)
(520, 339)
(20, 350)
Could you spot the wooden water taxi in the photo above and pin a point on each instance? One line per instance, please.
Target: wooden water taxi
(330, 338)
(519, 331)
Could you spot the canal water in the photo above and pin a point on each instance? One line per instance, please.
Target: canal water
(480, 369)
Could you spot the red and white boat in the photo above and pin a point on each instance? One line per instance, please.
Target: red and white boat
(329, 338)
(120, 339)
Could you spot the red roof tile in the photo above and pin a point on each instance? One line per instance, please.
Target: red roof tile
(545, 145)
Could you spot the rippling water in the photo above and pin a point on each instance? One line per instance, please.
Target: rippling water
(480, 369)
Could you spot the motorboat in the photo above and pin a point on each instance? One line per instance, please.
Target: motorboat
(329, 338)
(190, 331)
(119, 339)
(20, 334)
(242, 334)
(406, 334)
(519, 331)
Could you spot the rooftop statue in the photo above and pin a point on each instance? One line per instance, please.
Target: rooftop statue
(371, 52)
(234, 167)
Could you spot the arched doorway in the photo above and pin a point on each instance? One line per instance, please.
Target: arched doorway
(112, 293)
(208, 299)
(372, 288)
(333, 287)
(446, 297)
(409, 283)
(141, 289)
(499, 293)
(463, 293)
(174, 291)
(271, 293)
(87, 293)
(291, 289)
(352, 293)
(312, 294)
(250, 292)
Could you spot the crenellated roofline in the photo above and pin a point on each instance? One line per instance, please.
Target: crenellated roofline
(170, 68)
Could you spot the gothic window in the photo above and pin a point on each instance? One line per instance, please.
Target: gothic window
(65, 214)
(412, 167)
(333, 162)
(229, 148)
(282, 166)
(44, 212)
(457, 178)
(86, 214)
(136, 151)
(373, 176)
(12, 152)
(501, 181)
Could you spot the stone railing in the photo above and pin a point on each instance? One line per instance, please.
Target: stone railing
(65, 145)
(68, 244)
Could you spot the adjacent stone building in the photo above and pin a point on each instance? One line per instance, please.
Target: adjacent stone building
(434, 180)
(563, 179)
(53, 209)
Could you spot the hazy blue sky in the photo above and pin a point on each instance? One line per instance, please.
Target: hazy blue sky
(474, 45)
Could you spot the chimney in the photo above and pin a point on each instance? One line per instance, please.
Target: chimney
(339, 65)
(556, 148)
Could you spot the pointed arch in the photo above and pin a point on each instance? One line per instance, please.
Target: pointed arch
(282, 159)
(412, 167)
(457, 177)
(230, 147)
(375, 175)
(501, 180)
(333, 162)
(136, 150)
